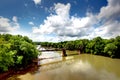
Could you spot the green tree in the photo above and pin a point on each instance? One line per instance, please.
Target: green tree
(70, 45)
(90, 47)
(6, 57)
(16, 51)
(98, 45)
(29, 52)
(110, 49)
(117, 43)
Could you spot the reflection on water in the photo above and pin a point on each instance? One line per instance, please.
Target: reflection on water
(49, 56)
(74, 70)
(80, 67)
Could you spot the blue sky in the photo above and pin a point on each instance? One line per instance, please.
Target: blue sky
(59, 20)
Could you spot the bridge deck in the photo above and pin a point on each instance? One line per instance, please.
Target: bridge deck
(51, 50)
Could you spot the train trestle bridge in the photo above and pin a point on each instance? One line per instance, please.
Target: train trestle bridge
(63, 51)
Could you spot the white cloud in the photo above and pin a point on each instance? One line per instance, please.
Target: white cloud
(111, 11)
(25, 4)
(14, 18)
(105, 24)
(31, 23)
(62, 24)
(44, 38)
(7, 25)
(108, 30)
(62, 10)
(37, 1)
(109, 16)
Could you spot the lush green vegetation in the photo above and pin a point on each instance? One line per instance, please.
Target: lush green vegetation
(16, 51)
(97, 46)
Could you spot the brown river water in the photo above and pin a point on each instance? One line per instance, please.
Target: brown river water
(76, 67)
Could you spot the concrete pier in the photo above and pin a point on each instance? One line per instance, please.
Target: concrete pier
(64, 53)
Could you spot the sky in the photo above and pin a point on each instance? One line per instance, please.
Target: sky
(60, 20)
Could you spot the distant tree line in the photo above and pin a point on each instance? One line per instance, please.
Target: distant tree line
(97, 46)
(16, 51)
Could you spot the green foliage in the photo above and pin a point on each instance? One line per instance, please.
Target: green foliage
(97, 46)
(110, 49)
(29, 52)
(90, 47)
(70, 45)
(19, 59)
(6, 57)
(16, 51)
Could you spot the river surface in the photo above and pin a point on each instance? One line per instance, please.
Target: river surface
(77, 67)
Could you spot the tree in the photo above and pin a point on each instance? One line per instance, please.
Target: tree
(16, 51)
(29, 52)
(90, 47)
(98, 45)
(6, 57)
(117, 43)
(110, 49)
(70, 45)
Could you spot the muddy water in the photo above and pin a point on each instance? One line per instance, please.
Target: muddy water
(48, 57)
(77, 67)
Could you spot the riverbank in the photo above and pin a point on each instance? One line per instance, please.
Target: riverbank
(30, 68)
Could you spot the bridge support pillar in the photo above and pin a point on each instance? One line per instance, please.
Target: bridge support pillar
(79, 52)
(64, 53)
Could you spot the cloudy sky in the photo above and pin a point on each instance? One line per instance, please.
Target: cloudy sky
(59, 20)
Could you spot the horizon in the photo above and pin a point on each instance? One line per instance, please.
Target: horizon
(59, 20)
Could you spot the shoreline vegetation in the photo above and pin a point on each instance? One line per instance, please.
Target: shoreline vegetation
(11, 72)
(16, 53)
(96, 46)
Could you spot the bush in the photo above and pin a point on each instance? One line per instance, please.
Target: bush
(16, 51)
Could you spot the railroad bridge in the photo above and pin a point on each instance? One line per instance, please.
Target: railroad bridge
(63, 51)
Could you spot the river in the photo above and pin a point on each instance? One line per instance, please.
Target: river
(76, 67)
